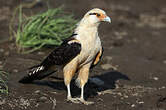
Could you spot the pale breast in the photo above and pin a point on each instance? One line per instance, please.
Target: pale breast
(89, 51)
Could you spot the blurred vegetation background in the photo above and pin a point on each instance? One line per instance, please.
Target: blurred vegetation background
(41, 30)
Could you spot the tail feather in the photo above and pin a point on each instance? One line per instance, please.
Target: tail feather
(36, 73)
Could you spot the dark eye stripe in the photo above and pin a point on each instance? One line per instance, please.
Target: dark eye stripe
(94, 14)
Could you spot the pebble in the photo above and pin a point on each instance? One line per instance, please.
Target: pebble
(163, 87)
(125, 96)
(43, 99)
(1, 50)
(120, 94)
(15, 71)
(141, 102)
(133, 105)
(109, 66)
(37, 91)
(2, 102)
(156, 78)
(106, 66)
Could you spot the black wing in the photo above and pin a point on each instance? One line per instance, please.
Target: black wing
(63, 54)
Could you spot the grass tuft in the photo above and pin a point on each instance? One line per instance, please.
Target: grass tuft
(3, 85)
(45, 29)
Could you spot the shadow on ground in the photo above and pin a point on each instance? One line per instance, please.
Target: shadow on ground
(95, 84)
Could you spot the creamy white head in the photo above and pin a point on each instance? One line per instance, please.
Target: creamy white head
(94, 17)
(87, 28)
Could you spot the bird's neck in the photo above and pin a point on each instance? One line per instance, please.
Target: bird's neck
(87, 29)
(86, 33)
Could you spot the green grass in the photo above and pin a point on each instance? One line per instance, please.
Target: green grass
(42, 30)
(3, 80)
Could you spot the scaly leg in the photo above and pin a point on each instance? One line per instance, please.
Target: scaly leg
(81, 81)
(69, 98)
(81, 99)
(69, 71)
(77, 100)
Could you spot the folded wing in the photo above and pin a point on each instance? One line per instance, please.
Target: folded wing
(63, 54)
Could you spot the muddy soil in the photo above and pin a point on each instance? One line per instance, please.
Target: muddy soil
(132, 71)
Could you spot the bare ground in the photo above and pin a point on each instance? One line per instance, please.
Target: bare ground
(134, 43)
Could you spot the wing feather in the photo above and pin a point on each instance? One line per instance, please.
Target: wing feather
(63, 54)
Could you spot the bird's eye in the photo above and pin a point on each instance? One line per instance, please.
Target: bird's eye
(98, 15)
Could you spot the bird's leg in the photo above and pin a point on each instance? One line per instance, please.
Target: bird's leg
(68, 91)
(69, 71)
(81, 99)
(69, 97)
(81, 81)
(82, 92)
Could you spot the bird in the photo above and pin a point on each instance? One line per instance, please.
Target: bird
(77, 54)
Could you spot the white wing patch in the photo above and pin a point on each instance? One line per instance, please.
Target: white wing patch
(36, 70)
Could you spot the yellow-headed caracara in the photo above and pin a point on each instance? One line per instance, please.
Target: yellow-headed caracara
(79, 52)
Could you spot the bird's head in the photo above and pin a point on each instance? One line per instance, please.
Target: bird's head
(95, 16)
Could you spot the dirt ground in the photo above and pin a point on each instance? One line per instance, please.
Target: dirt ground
(134, 43)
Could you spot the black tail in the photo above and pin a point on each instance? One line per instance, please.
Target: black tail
(36, 73)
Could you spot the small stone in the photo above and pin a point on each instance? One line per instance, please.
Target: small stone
(54, 92)
(1, 62)
(156, 78)
(125, 96)
(37, 91)
(163, 87)
(120, 94)
(2, 102)
(1, 50)
(37, 105)
(133, 105)
(108, 66)
(141, 102)
(100, 100)
(15, 71)
(43, 99)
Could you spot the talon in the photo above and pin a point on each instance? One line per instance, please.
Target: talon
(79, 100)
(86, 102)
(73, 100)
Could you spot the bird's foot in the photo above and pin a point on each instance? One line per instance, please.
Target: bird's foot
(79, 100)
(73, 100)
(85, 102)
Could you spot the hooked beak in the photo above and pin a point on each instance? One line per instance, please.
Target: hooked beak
(107, 19)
